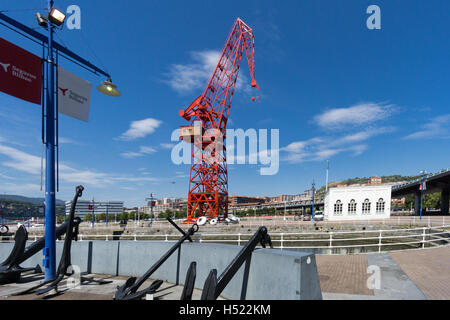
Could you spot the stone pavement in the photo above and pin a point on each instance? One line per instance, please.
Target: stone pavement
(429, 269)
(90, 291)
(405, 275)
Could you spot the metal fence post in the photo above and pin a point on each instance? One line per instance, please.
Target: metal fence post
(331, 240)
(134, 237)
(423, 237)
(379, 242)
(200, 237)
(106, 237)
(81, 237)
(281, 240)
(239, 239)
(167, 238)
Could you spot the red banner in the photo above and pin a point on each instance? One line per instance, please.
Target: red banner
(20, 72)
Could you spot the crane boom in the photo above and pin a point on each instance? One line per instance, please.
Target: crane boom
(208, 116)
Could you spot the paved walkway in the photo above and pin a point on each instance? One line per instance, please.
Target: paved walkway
(90, 291)
(404, 275)
(429, 269)
(409, 275)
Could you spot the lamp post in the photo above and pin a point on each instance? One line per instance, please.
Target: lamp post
(313, 193)
(151, 208)
(54, 18)
(422, 188)
(50, 208)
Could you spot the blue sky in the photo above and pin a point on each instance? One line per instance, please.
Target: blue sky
(373, 102)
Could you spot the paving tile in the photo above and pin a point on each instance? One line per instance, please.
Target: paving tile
(429, 269)
(343, 274)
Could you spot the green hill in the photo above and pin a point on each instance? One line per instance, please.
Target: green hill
(12, 209)
(36, 201)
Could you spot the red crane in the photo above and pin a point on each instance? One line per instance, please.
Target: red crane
(208, 115)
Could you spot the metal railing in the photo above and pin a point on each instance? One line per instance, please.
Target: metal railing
(379, 240)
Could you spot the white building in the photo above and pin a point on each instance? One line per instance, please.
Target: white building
(85, 207)
(358, 203)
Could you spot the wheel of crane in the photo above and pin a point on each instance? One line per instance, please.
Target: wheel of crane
(201, 221)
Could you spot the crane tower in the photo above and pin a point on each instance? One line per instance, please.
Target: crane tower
(208, 116)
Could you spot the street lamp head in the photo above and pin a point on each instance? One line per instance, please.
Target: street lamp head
(56, 17)
(41, 20)
(109, 88)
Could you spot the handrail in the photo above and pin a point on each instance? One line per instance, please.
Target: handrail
(324, 240)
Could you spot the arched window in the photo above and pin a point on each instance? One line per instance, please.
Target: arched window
(381, 205)
(352, 207)
(366, 207)
(338, 207)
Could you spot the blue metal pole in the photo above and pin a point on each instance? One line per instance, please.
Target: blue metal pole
(151, 209)
(421, 195)
(50, 209)
(312, 209)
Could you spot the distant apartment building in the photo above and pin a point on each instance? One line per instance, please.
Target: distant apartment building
(375, 180)
(234, 201)
(161, 205)
(283, 198)
(306, 195)
(401, 202)
(85, 207)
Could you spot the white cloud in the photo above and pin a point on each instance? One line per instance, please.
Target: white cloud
(322, 148)
(6, 177)
(147, 150)
(167, 145)
(64, 140)
(187, 77)
(143, 150)
(437, 128)
(20, 160)
(25, 162)
(22, 188)
(140, 129)
(360, 114)
(131, 154)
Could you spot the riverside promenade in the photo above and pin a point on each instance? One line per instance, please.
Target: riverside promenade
(405, 275)
(420, 274)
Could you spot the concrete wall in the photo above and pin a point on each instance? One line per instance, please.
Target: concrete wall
(274, 274)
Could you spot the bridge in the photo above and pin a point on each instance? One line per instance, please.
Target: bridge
(436, 182)
(288, 205)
